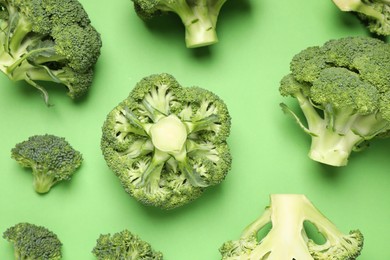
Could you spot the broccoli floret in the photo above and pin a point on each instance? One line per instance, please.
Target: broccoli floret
(167, 143)
(343, 89)
(51, 158)
(33, 242)
(48, 40)
(198, 16)
(124, 245)
(288, 239)
(374, 13)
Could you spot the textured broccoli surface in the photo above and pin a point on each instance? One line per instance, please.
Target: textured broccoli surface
(48, 40)
(342, 89)
(288, 239)
(33, 242)
(167, 143)
(124, 245)
(198, 16)
(374, 13)
(51, 158)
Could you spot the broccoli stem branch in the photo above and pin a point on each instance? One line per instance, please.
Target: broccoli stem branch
(42, 182)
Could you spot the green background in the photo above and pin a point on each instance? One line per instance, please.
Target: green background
(257, 41)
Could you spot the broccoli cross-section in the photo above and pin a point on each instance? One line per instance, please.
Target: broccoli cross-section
(32, 242)
(199, 17)
(124, 245)
(374, 13)
(288, 239)
(48, 40)
(167, 143)
(343, 90)
(51, 158)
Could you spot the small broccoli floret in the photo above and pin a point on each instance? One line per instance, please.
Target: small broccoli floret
(374, 13)
(288, 239)
(167, 143)
(343, 89)
(33, 242)
(43, 39)
(50, 157)
(199, 17)
(124, 245)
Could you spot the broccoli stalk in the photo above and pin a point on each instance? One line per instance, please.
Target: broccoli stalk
(375, 13)
(288, 238)
(167, 143)
(199, 17)
(52, 42)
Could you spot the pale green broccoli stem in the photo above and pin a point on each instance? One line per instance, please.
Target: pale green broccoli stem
(360, 7)
(42, 181)
(199, 20)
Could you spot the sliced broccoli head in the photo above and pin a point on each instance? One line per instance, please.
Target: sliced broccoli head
(167, 143)
(51, 158)
(32, 242)
(124, 245)
(288, 239)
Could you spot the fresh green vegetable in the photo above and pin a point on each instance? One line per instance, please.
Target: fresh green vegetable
(342, 89)
(167, 143)
(198, 16)
(51, 158)
(288, 239)
(374, 13)
(124, 245)
(48, 40)
(33, 242)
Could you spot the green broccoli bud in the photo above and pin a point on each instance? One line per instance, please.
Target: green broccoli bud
(33, 242)
(167, 143)
(288, 239)
(124, 245)
(51, 158)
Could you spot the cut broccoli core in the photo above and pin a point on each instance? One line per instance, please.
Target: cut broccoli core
(169, 134)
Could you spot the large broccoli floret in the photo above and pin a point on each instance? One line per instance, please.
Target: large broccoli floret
(48, 40)
(124, 245)
(374, 13)
(167, 143)
(51, 158)
(33, 242)
(288, 238)
(198, 16)
(343, 91)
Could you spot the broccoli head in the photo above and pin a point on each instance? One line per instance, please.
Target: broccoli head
(288, 239)
(48, 40)
(51, 158)
(124, 245)
(167, 143)
(198, 16)
(343, 90)
(33, 242)
(374, 13)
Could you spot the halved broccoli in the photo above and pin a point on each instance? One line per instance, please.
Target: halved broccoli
(32, 242)
(374, 13)
(343, 89)
(51, 158)
(167, 143)
(288, 238)
(198, 16)
(124, 245)
(48, 40)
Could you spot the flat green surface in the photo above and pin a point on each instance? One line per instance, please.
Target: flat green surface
(257, 41)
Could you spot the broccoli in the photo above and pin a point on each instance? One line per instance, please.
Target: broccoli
(51, 158)
(50, 41)
(374, 13)
(198, 16)
(167, 143)
(33, 242)
(288, 239)
(124, 245)
(342, 89)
